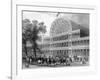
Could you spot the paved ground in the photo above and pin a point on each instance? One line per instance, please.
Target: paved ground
(77, 64)
(72, 64)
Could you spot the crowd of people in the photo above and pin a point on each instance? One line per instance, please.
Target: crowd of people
(52, 61)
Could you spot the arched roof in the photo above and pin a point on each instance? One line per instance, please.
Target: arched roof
(61, 25)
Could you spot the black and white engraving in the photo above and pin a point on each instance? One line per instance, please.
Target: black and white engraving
(54, 39)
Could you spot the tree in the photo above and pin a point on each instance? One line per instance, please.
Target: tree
(36, 29)
(30, 32)
(26, 25)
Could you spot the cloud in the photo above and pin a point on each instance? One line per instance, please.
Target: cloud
(79, 18)
(82, 19)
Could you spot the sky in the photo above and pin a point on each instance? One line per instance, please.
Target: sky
(48, 18)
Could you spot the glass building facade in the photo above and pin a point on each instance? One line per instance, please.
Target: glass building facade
(65, 43)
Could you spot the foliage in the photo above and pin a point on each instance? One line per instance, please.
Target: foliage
(30, 32)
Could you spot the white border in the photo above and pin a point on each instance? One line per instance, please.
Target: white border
(18, 73)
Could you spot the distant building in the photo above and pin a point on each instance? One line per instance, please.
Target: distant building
(66, 39)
